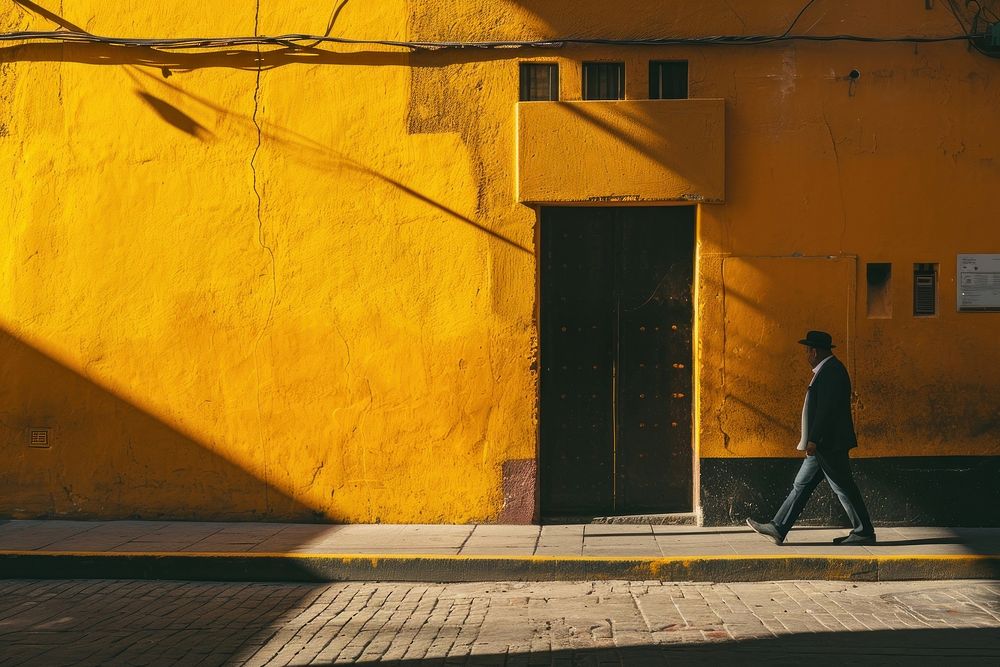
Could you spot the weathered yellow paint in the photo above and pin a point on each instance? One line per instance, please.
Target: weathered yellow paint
(763, 379)
(649, 150)
(237, 294)
(299, 283)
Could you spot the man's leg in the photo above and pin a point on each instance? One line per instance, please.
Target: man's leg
(836, 466)
(808, 477)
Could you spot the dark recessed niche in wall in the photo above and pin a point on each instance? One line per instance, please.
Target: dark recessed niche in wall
(879, 290)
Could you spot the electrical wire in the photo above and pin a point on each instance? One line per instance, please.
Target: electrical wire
(972, 36)
(298, 41)
(795, 20)
(295, 40)
(333, 19)
(983, 9)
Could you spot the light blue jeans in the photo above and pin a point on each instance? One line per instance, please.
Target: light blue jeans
(835, 466)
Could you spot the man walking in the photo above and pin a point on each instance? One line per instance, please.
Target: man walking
(827, 437)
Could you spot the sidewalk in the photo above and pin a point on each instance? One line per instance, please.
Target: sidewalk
(211, 551)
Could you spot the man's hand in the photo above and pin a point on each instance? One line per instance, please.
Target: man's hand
(810, 449)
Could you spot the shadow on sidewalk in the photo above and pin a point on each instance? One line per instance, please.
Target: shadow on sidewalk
(893, 543)
(880, 647)
(672, 533)
(178, 623)
(130, 623)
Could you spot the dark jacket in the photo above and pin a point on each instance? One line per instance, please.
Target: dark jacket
(831, 425)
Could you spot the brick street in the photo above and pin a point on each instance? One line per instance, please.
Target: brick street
(101, 622)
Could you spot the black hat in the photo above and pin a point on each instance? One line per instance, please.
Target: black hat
(820, 339)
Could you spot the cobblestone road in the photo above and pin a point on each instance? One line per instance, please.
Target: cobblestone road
(629, 623)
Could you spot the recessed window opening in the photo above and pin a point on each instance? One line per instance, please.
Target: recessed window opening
(539, 82)
(925, 289)
(879, 290)
(603, 81)
(668, 80)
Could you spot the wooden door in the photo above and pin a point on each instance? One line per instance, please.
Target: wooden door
(615, 388)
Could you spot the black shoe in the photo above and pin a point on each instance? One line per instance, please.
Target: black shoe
(854, 539)
(767, 530)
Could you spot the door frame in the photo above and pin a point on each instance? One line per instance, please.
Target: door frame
(695, 338)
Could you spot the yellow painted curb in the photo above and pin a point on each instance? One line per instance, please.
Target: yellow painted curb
(328, 567)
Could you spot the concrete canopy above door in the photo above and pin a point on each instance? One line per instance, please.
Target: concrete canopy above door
(621, 151)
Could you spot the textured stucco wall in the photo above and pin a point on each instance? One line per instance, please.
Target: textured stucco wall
(300, 285)
(232, 293)
(650, 150)
(823, 175)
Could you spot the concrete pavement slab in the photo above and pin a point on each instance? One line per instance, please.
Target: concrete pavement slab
(561, 532)
(506, 531)
(617, 529)
(678, 552)
(599, 551)
(498, 551)
(151, 547)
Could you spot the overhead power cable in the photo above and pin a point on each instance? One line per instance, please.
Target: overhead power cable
(973, 36)
(298, 40)
(71, 34)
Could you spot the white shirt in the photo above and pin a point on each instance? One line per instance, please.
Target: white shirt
(804, 440)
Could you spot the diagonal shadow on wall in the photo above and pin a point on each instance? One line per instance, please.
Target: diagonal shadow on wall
(249, 59)
(631, 18)
(301, 148)
(94, 437)
(95, 433)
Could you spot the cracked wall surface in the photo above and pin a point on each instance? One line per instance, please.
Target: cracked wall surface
(259, 256)
(297, 284)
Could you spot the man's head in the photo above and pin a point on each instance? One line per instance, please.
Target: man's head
(818, 346)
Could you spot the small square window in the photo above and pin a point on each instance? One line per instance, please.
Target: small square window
(539, 82)
(668, 80)
(603, 81)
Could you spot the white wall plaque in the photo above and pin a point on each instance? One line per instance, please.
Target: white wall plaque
(979, 283)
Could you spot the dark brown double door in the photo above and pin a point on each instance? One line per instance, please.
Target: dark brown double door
(615, 349)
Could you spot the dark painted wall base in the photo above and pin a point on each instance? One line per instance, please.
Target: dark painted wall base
(914, 491)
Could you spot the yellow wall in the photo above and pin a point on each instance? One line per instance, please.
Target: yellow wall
(602, 151)
(346, 345)
(302, 285)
